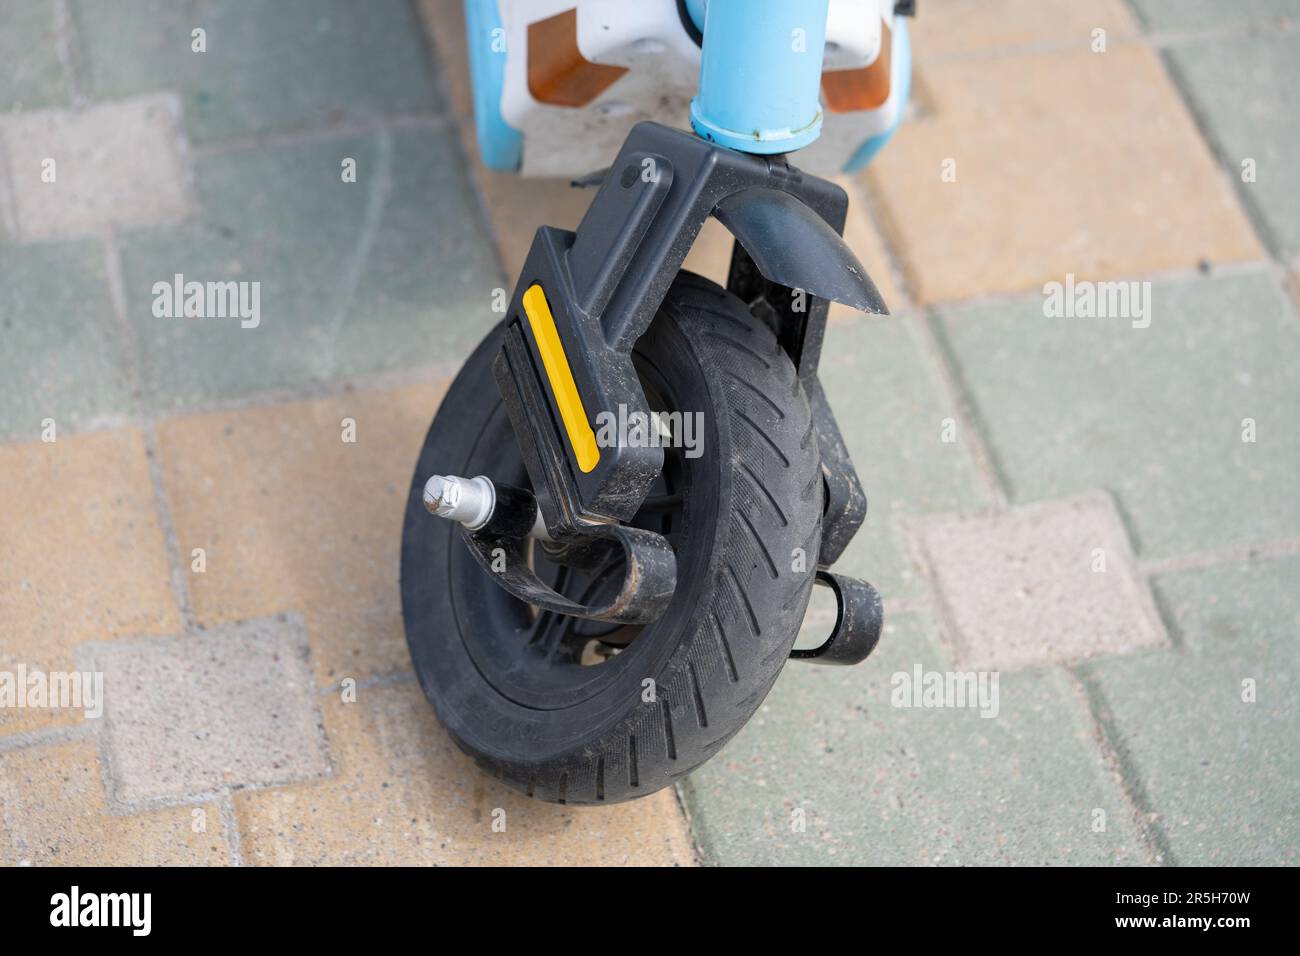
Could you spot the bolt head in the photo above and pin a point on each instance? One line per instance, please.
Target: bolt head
(441, 495)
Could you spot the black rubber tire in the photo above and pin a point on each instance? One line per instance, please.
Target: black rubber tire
(753, 498)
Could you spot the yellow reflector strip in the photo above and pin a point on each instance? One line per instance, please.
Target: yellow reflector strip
(581, 437)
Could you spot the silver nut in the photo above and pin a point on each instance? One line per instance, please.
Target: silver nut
(470, 501)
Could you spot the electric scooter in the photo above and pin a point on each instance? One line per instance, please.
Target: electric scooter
(635, 481)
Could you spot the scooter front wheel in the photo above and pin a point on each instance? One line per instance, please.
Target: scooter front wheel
(581, 711)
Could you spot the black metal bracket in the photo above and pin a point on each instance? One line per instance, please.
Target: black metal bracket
(501, 548)
(857, 624)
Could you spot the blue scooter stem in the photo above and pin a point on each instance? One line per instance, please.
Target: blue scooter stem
(760, 74)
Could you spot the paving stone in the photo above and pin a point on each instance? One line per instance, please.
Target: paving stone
(115, 164)
(404, 794)
(819, 620)
(516, 207)
(83, 556)
(294, 64)
(1221, 776)
(357, 278)
(32, 77)
(1244, 90)
(53, 813)
(1153, 415)
(866, 242)
(891, 412)
(710, 256)
(1209, 14)
(947, 28)
(1040, 191)
(887, 785)
(1233, 608)
(1043, 584)
(60, 357)
(231, 707)
(444, 25)
(293, 518)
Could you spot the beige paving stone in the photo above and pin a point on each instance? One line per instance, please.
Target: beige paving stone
(404, 794)
(516, 207)
(1079, 163)
(1045, 584)
(866, 242)
(1293, 286)
(947, 28)
(82, 555)
(710, 255)
(444, 22)
(234, 706)
(53, 813)
(115, 164)
(294, 519)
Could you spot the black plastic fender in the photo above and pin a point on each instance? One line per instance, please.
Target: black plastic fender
(793, 246)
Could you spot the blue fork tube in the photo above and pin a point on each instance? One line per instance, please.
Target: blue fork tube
(760, 74)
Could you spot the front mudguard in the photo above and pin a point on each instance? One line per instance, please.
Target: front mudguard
(794, 247)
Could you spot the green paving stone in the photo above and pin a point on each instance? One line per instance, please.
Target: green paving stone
(388, 272)
(886, 785)
(1207, 14)
(268, 66)
(30, 73)
(59, 353)
(1246, 92)
(1152, 415)
(890, 410)
(1221, 775)
(432, 269)
(1240, 607)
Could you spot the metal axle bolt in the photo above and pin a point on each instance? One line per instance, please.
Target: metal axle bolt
(470, 501)
(473, 501)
